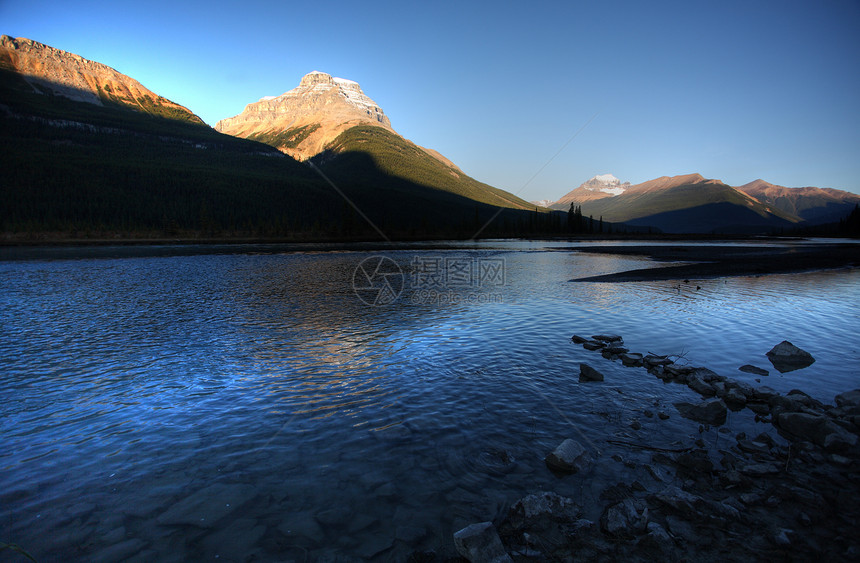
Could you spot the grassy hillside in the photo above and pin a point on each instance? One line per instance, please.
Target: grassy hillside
(700, 207)
(395, 156)
(717, 218)
(289, 139)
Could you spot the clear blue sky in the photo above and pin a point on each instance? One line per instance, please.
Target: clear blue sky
(732, 90)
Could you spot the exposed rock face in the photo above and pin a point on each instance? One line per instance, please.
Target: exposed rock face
(53, 71)
(304, 120)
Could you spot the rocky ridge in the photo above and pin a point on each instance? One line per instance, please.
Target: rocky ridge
(56, 72)
(302, 121)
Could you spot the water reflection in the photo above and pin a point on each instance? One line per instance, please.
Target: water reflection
(266, 375)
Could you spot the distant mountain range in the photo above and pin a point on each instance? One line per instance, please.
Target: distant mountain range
(692, 204)
(88, 152)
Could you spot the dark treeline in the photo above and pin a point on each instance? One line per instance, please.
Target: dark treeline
(76, 183)
(848, 226)
(76, 170)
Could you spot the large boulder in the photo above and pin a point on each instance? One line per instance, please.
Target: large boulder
(700, 386)
(588, 373)
(631, 359)
(786, 357)
(818, 429)
(712, 411)
(568, 457)
(480, 543)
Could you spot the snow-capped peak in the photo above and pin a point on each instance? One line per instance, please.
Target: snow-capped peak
(606, 183)
(606, 179)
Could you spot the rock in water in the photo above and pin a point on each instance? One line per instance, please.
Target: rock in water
(700, 386)
(631, 359)
(607, 337)
(848, 399)
(207, 506)
(480, 543)
(786, 357)
(568, 457)
(712, 411)
(544, 504)
(626, 519)
(588, 373)
(753, 369)
(818, 429)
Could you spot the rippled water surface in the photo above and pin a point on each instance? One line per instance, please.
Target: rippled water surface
(251, 405)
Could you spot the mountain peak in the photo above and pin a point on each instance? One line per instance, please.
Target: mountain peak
(608, 179)
(303, 120)
(316, 77)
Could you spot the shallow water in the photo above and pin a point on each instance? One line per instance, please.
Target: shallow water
(142, 395)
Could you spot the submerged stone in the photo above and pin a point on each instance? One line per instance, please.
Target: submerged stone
(625, 519)
(588, 373)
(208, 505)
(754, 370)
(480, 543)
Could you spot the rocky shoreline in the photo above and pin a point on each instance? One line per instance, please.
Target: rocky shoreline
(790, 498)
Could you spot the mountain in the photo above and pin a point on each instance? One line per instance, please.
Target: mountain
(304, 120)
(328, 120)
(599, 187)
(812, 205)
(691, 203)
(543, 203)
(77, 165)
(677, 204)
(89, 153)
(52, 72)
